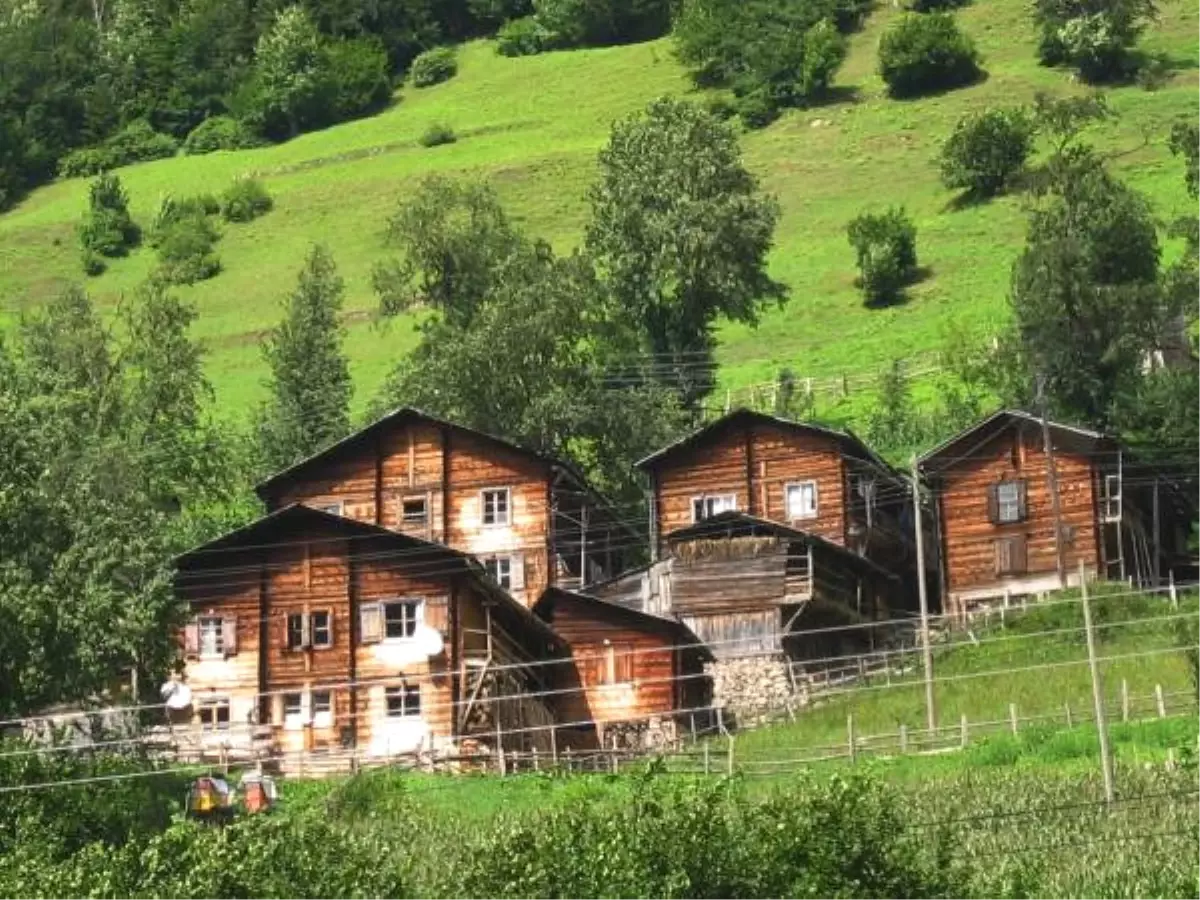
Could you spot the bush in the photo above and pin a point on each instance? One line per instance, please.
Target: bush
(136, 142)
(924, 6)
(886, 250)
(434, 66)
(245, 200)
(185, 249)
(1094, 36)
(721, 107)
(757, 109)
(219, 133)
(921, 54)
(357, 72)
(171, 211)
(107, 229)
(522, 37)
(986, 150)
(93, 263)
(436, 135)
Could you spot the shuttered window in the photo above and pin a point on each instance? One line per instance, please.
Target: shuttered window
(370, 623)
(1006, 502)
(1010, 555)
(210, 637)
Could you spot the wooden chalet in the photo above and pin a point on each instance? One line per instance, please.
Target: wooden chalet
(817, 480)
(315, 639)
(532, 519)
(634, 671)
(995, 517)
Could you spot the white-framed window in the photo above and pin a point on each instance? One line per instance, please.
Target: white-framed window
(1112, 498)
(499, 569)
(403, 702)
(800, 500)
(321, 628)
(401, 618)
(214, 714)
(212, 636)
(322, 709)
(495, 506)
(293, 710)
(414, 511)
(708, 505)
(1008, 502)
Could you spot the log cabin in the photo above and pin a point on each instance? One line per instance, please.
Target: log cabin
(324, 639)
(823, 482)
(531, 518)
(994, 512)
(636, 673)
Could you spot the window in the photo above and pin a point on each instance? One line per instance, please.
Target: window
(499, 569)
(334, 509)
(495, 507)
(404, 702)
(712, 504)
(800, 500)
(322, 709)
(1010, 555)
(400, 619)
(295, 631)
(322, 629)
(413, 511)
(611, 664)
(293, 709)
(1008, 502)
(1112, 498)
(214, 714)
(212, 637)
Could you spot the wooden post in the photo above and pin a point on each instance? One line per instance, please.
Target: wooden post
(1159, 700)
(1156, 532)
(707, 764)
(963, 731)
(554, 746)
(1012, 717)
(692, 723)
(729, 761)
(570, 767)
(926, 651)
(1067, 707)
(537, 767)
(1172, 592)
(500, 767)
(1052, 478)
(1124, 700)
(1097, 689)
(903, 738)
(850, 736)
(721, 720)
(613, 765)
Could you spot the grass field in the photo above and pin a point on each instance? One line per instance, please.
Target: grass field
(532, 127)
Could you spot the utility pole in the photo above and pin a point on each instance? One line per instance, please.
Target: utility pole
(926, 652)
(1052, 479)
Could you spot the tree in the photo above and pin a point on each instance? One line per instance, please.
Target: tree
(885, 249)
(681, 234)
(986, 150)
(289, 70)
(107, 228)
(310, 387)
(1094, 36)
(926, 52)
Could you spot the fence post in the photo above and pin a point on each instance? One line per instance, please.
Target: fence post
(537, 766)
(613, 765)
(729, 761)
(963, 730)
(1070, 722)
(499, 746)
(850, 735)
(1160, 701)
(903, 738)
(1012, 717)
(707, 767)
(570, 767)
(1171, 591)
(1097, 689)
(1124, 700)
(692, 723)
(554, 745)
(720, 720)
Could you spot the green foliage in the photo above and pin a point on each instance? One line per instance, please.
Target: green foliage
(310, 388)
(437, 134)
(357, 82)
(185, 245)
(885, 247)
(1095, 37)
(289, 76)
(136, 142)
(107, 229)
(680, 234)
(244, 200)
(986, 150)
(434, 66)
(171, 211)
(219, 133)
(923, 54)
(523, 37)
(924, 6)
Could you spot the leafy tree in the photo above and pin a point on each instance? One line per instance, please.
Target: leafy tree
(245, 200)
(107, 228)
(885, 245)
(1062, 119)
(186, 249)
(1094, 36)
(434, 66)
(1185, 142)
(924, 53)
(310, 387)
(289, 71)
(986, 150)
(681, 234)
(219, 133)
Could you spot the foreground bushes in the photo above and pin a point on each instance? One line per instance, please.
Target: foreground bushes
(136, 142)
(219, 133)
(434, 66)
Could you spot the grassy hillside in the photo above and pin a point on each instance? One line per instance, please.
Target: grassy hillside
(532, 127)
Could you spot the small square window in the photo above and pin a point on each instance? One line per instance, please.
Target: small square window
(712, 504)
(801, 500)
(1008, 502)
(212, 638)
(322, 709)
(293, 709)
(414, 511)
(404, 702)
(499, 569)
(322, 631)
(214, 715)
(295, 631)
(495, 507)
(400, 619)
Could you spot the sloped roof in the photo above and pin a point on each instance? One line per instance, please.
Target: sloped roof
(1063, 436)
(850, 443)
(639, 618)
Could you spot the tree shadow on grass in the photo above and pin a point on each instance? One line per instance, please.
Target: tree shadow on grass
(977, 79)
(901, 297)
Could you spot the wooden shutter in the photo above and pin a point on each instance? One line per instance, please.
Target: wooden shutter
(1018, 554)
(229, 645)
(994, 504)
(624, 663)
(370, 620)
(1003, 548)
(191, 639)
(306, 630)
(517, 571)
(1022, 493)
(284, 618)
(329, 619)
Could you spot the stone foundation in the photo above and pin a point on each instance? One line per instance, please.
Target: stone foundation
(752, 689)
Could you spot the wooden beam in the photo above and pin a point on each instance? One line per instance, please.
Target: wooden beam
(749, 446)
(378, 480)
(445, 486)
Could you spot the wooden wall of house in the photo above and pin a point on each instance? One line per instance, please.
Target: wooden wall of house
(968, 534)
(732, 634)
(726, 574)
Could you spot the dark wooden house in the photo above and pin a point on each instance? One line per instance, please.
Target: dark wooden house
(338, 639)
(1119, 518)
(531, 518)
(636, 673)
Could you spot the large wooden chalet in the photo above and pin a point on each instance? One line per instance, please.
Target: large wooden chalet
(532, 519)
(313, 635)
(995, 517)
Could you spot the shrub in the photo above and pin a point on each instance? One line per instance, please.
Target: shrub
(925, 6)
(1094, 36)
(245, 200)
(107, 229)
(358, 82)
(93, 263)
(886, 249)
(434, 66)
(522, 37)
(721, 106)
(136, 142)
(219, 133)
(986, 150)
(925, 53)
(757, 109)
(436, 135)
(171, 211)
(185, 249)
